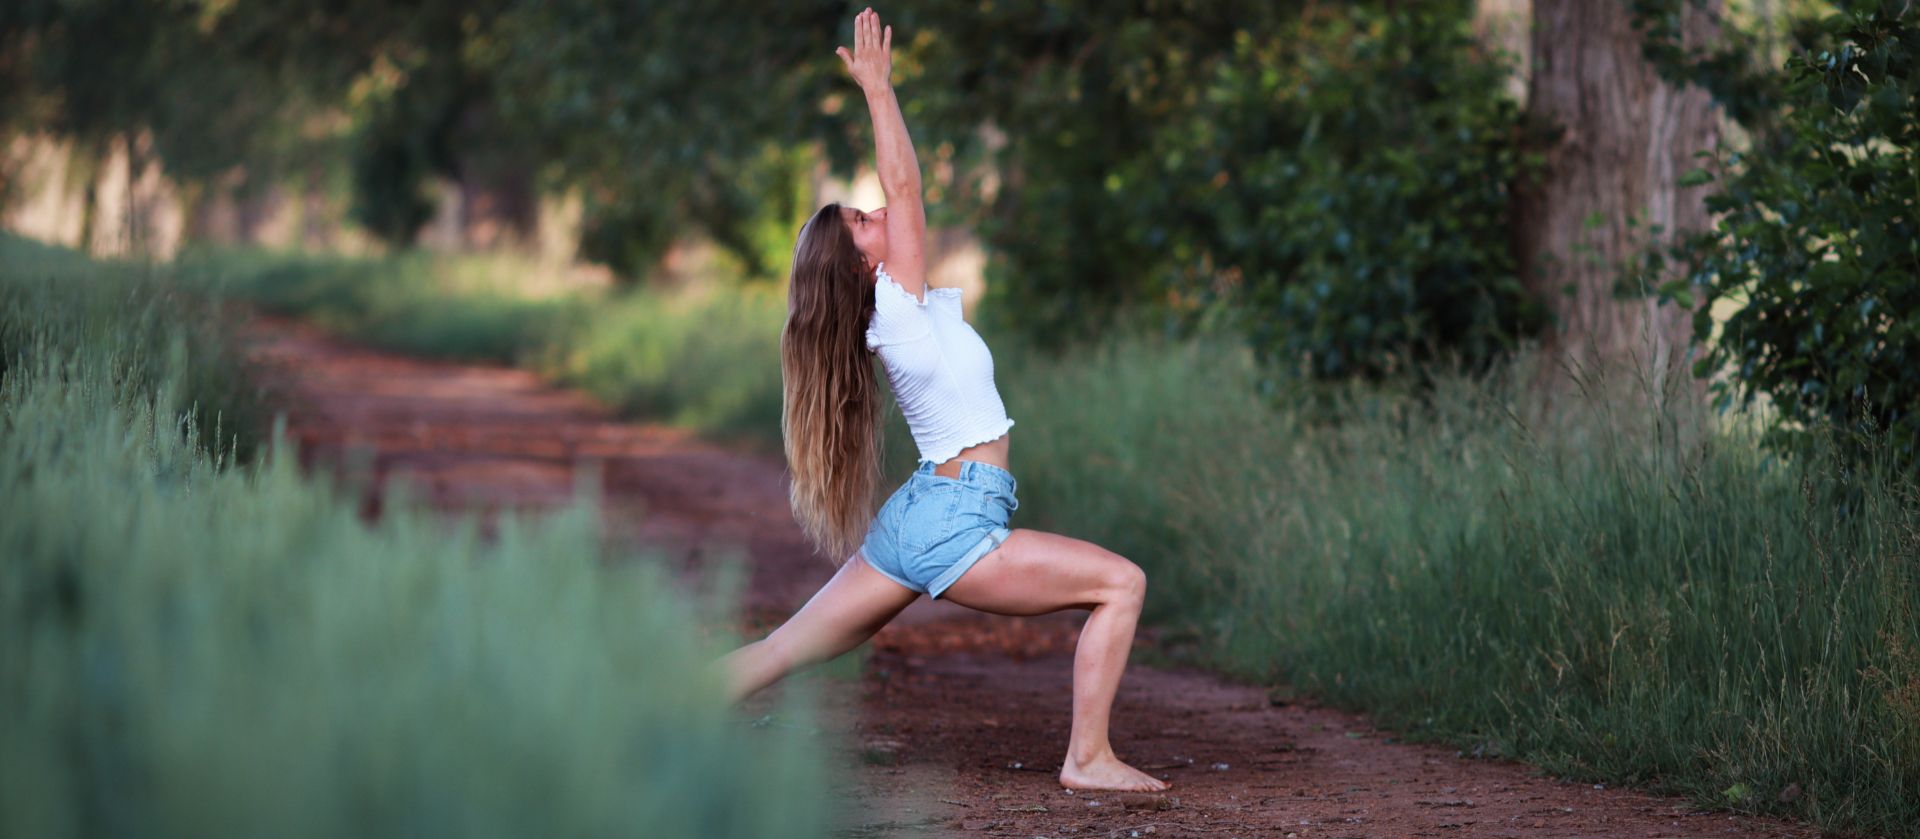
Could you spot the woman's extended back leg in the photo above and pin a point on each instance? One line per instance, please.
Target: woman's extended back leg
(842, 614)
(1034, 572)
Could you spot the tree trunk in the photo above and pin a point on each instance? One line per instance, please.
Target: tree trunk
(316, 224)
(1611, 183)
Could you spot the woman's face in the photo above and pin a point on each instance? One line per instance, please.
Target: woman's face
(869, 232)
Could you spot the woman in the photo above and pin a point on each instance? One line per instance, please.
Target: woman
(858, 287)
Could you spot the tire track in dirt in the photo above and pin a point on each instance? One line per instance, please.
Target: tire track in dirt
(958, 722)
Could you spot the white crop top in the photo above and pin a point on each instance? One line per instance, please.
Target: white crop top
(940, 370)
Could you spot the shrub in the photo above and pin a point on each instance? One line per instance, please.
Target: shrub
(1339, 171)
(1355, 174)
(1814, 249)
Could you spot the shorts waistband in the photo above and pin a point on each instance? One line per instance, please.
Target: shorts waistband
(973, 472)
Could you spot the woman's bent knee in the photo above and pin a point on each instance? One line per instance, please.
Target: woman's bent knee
(1127, 584)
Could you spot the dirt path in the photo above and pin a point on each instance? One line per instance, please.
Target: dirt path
(958, 720)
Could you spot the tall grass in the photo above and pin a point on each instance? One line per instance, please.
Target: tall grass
(193, 647)
(1602, 582)
(54, 301)
(705, 358)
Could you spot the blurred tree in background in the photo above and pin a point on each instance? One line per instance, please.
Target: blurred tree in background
(1340, 174)
(1612, 177)
(675, 116)
(101, 72)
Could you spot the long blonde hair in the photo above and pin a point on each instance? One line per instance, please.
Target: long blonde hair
(830, 397)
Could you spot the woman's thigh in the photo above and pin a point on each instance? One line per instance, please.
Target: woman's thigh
(850, 608)
(1034, 572)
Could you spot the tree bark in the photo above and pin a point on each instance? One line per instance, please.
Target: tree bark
(1611, 182)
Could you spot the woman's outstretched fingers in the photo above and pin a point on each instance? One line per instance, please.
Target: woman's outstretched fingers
(869, 60)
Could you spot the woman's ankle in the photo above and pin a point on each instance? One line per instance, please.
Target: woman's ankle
(1089, 755)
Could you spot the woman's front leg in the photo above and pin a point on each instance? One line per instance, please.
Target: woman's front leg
(1034, 572)
(840, 616)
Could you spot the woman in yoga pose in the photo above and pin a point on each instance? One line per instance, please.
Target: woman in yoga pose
(858, 288)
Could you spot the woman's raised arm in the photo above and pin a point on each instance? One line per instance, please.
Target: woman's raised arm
(871, 63)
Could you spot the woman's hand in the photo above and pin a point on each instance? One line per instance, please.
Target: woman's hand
(871, 61)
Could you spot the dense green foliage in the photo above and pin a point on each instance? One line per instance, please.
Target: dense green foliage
(1365, 215)
(1338, 174)
(1818, 242)
(1807, 279)
(674, 117)
(195, 649)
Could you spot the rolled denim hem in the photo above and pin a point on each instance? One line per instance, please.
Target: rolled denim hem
(986, 545)
(889, 574)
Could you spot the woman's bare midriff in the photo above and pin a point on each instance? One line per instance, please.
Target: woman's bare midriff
(993, 452)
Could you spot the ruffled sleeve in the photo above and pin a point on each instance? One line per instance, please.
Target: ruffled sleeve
(898, 316)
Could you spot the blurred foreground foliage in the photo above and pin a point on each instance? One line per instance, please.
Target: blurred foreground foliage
(199, 647)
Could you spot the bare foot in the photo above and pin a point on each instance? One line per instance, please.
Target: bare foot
(1108, 773)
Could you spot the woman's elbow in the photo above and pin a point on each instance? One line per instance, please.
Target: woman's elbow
(899, 193)
(899, 181)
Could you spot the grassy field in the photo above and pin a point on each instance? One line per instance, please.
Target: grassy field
(202, 643)
(1607, 583)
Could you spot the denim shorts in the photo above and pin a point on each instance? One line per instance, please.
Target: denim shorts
(933, 528)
